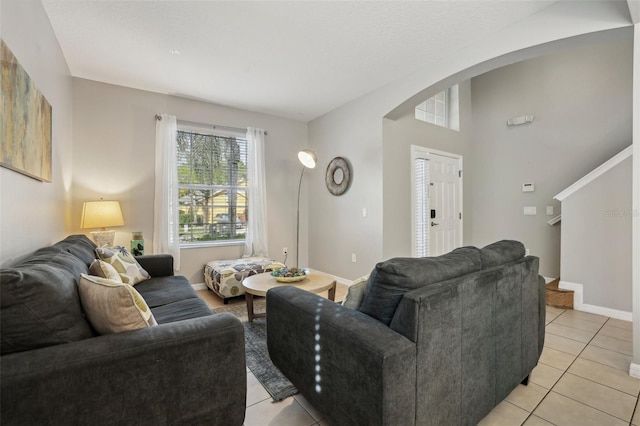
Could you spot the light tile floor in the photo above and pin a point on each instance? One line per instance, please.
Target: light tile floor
(581, 379)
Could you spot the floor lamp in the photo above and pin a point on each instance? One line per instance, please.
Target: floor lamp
(308, 159)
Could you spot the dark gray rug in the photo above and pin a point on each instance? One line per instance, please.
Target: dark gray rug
(258, 361)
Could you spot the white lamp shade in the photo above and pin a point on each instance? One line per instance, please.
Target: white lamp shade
(308, 158)
(100, 214)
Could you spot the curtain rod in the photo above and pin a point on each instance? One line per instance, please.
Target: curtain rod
(214, 126)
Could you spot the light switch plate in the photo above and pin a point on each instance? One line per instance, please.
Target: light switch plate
(549, 210)
(530, 211)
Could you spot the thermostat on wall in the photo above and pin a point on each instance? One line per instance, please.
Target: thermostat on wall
(528, 187)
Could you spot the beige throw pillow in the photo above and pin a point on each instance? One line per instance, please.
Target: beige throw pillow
(355, 293)
(102, 269)
(112, 306)
(127, 266)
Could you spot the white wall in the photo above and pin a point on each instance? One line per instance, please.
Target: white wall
(582, 103)
(596, 239)
(33, 213)
(114, 143)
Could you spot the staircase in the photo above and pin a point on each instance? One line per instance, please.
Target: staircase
(557, 297)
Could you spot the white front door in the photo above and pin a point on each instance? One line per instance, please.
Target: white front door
(444, 200)
(436, 201)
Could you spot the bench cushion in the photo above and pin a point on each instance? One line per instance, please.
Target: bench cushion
(224, 277)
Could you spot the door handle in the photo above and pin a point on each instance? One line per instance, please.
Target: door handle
(434, 223)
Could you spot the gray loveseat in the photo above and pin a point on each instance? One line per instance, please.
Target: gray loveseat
(435, 341)
(55, 369)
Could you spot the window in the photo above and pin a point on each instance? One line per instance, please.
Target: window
(212, 186)
(421, 206)
(441, 109)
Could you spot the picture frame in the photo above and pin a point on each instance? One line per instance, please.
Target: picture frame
(26, 121)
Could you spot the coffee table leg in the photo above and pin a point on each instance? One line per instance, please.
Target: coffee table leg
(249, 298)
(332, 292)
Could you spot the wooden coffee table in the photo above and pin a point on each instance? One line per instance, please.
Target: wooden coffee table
(259, 284)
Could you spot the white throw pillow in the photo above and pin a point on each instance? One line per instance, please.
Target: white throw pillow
(355, 293)
(112, 306)
(127, 266)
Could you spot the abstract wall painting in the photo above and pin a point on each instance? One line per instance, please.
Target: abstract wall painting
(25, 116)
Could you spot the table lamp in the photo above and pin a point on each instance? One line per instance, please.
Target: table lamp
(308, 159)
(100, 214)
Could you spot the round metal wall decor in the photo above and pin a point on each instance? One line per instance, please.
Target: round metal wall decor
(338, 176)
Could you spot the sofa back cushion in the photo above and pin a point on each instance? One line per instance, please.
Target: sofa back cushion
(391, 279)
(501, 252)
(39, 302)
(80, 246)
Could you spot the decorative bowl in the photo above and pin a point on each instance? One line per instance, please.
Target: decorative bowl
(285, 275)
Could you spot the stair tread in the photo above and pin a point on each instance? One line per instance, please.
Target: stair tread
(558, 297)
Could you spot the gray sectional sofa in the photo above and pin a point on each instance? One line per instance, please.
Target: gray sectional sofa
(435, 341)
(55, 369)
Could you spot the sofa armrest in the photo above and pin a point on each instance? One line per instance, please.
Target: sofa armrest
(157, 265)
(157, 375)
(351, 367)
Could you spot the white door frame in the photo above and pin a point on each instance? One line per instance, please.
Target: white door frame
(426, 153)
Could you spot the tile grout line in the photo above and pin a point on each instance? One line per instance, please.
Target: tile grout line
(578, 356)
(548, 390)
(565, 372)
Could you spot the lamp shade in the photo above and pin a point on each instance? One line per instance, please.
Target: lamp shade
(100, 214)
(308, 158)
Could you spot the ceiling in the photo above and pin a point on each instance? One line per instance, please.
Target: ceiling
(293, 59)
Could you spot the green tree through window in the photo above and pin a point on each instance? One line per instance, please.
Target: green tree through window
(212, 183)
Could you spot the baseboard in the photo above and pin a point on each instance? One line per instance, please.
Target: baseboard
(607, 312)
(577, 292)
(579, 305)
(341, 280)
(547, 280)
(199, 286)
(338, 279)
(634, 370)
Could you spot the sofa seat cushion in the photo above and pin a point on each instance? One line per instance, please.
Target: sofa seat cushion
(391, 279)
(164, 290)
(501, 252)
(39, 302)
(181, 310)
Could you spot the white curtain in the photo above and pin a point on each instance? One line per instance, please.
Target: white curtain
(256, 239)
(165, 224)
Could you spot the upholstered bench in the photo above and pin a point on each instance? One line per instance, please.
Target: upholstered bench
(224, 277)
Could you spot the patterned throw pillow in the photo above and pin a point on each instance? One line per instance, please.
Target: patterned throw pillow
(112, 306)
(355, 293)
(124, 263)
(102, 269)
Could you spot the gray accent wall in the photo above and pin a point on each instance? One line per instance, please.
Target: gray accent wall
(582, 103)
(399, 135)
(596, 239)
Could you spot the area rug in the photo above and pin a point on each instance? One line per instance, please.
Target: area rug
(258, 361)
